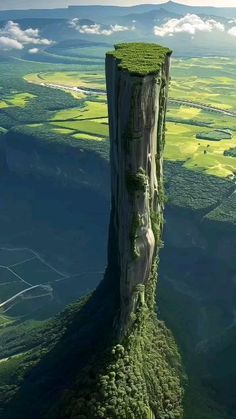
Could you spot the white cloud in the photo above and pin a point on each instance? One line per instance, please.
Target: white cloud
(190, 24)
(97, 29)
(232, 31)
(13, 37)
(94, 30)
(8, 43)
(119, 28)
(33, 50)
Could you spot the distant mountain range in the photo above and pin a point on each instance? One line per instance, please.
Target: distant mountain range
(112, 24)
(97, 12)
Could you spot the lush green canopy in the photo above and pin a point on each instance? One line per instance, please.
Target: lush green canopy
(140, 58)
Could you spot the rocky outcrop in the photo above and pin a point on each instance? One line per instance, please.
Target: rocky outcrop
(137, 107)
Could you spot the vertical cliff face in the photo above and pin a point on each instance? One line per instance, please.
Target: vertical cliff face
(135, 373)
(137, 84)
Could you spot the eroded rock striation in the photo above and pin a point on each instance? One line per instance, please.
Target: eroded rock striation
(137, 85)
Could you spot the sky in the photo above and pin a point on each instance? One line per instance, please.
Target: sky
(13, 36)
(216, 3)
(17, 4)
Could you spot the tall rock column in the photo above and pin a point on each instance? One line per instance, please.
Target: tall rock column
(137, 85)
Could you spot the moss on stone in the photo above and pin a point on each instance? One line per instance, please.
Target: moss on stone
(156, 221)
(140, 59)
(133, 236)
(136, 182)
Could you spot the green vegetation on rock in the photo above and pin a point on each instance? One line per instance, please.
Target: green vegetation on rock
(231, 152)
(136, 379)
(216, 135)
(137, 182)
(150, 58)
(133, 236)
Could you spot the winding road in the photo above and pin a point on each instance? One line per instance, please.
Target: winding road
(202, 106)
(71, 89)
(188, 103)
(46, 291)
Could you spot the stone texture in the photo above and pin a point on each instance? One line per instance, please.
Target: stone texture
(137, 108)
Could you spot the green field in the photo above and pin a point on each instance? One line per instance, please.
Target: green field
(19, 100)
(89, 110)
(205, 80)
(69, 79)
(207, 84)
(87, 127)
(199, 81)
(182, 145)
(83, 136)
(86, 121)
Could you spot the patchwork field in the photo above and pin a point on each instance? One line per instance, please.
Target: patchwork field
(205, 80)
(90, 110)
(19, 100)
(69, 79)
(201, 123)
(89, 120)
(202, 81)
(22, 269)
(196, 154)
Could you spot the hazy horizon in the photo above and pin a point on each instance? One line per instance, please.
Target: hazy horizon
(28, 4)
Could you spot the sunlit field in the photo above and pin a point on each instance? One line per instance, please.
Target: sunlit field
(69, 79)
(206, 89)
(69, 101)
(19, 100)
